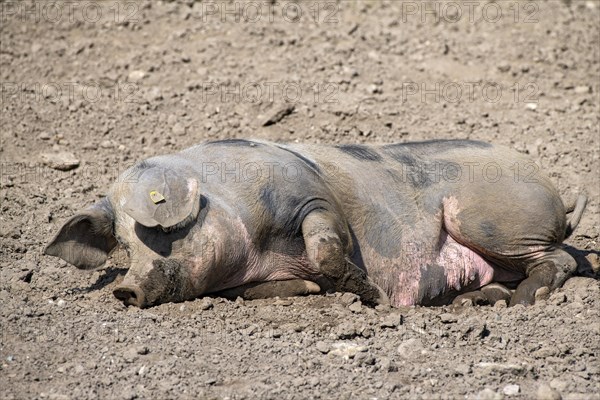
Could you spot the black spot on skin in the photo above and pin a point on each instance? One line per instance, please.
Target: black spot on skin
(437, 146)
(384, 234)
(360, 152)
(488, 228)
(267, 197)
(308, 162)
(234, 142)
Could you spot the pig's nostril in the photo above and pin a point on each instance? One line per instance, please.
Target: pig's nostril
(130, 295)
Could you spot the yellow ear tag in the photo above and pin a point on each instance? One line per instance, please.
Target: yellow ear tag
(156, 197)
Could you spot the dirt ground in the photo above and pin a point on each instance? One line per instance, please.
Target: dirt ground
(90, 87)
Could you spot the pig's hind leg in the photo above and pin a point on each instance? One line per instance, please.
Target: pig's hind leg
(327, 247)
(265, 290)
(489, 294)
(522, 250)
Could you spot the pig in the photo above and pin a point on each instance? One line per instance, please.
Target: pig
(419, 223)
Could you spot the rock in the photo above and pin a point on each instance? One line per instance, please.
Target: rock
(322, 347)
(462, 369)
(44, 136)
(545, 392)
(582, 89)
(511, 390)
(491, 367)
(62, 161)
(391, 320)
(107, 144)
(503, 67)
(348, 298)
(356, 307)
(559, 385)
(489, 394)
(277, 114)
(136, 75)
(346, 330)
(542, 293)
(142, 350)
(410, 348)
(531, 106)
(206, 304)
(346, 350)
(178, 129)
(448, 318)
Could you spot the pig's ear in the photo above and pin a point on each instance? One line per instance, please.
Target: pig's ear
(87, 238)
(163, 197)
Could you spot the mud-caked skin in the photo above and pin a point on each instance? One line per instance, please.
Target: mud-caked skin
(421, 223)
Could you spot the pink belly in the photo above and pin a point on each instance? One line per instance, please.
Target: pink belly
(436, 279)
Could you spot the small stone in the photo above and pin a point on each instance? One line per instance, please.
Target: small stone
(503, 67)
(410, 348)
(582, 89)
(178, 129)
(462, 369)
(531, 106)
(62, 161)
(545, 392)
(206, 304)
(348, 298)
(489, 394)
(448, 318)
(142, 370)
(136, 75)
(391, 320)
(142, 350)
(346, 350)
(346, 330)
(356, 307)
(60, 302)
(44, 136)
(511, 390)
(107, 144)
(322, 347)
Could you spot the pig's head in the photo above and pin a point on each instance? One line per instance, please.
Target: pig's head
(158, 214)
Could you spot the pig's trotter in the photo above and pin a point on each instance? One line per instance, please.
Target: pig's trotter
(488, 294)
(327, 246)
(265, 290)
(550, 271)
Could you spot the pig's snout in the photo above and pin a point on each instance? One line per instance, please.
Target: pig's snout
(130, 295)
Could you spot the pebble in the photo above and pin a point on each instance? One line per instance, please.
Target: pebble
(582, 89)
(62, 161)
(178, 129)
(322, 347)
(410, 348)
(346, 330)
(348, 298)
(545, 392)
(511, 390)
(356, 307)
(531, 106)
(44, 136)
(346, 350)
(107, 144)
(391, 320)
(136, 75)
(206, 304)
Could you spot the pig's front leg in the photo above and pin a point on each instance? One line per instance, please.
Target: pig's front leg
(265, 290)
(326, 250)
